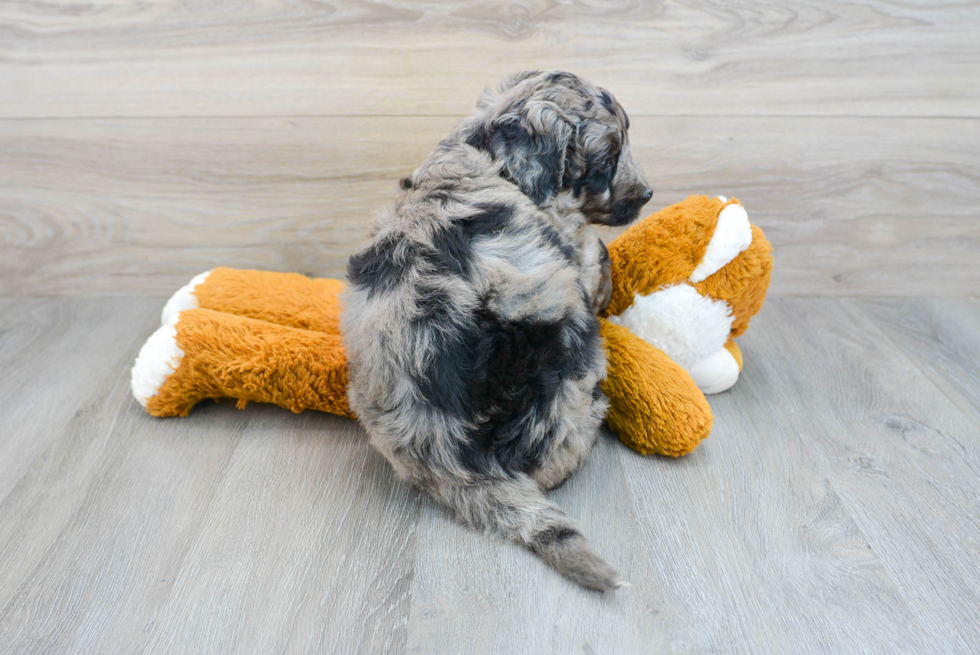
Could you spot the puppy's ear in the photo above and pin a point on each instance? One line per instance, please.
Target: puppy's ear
(531, 143)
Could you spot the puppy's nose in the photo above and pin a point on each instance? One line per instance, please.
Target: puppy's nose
(645, 198)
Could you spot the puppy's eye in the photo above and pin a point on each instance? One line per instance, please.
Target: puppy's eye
(607, 163)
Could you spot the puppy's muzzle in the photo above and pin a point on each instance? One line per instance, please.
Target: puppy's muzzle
(625, 211)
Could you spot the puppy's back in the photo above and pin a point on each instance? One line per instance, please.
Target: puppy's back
(474, 357)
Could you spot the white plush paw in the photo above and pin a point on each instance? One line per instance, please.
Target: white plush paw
(183, 299)
(159, 357)
(715, 373)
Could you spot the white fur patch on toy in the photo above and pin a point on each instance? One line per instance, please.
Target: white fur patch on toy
(159, 357)
(715, 373)
(733, 234)
(183, 299)
(679, 321)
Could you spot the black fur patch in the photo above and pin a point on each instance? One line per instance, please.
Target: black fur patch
(454, 244)
(553, 237)
(518, 372)
(510, 135)
(480, 139)
(607, 101)
(507, 373)
(490, 221)
(377, 268)
(521, 151)
(445, 383)
(382, 266)
(554, 535)
(452, 252)
(625, 212)
(598, 178)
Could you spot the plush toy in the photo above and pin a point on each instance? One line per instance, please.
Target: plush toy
(686, 281)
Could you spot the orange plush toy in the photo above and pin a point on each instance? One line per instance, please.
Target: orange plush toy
(686, 281)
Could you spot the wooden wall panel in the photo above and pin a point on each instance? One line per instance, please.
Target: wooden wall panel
(137, 207)
(360, 57)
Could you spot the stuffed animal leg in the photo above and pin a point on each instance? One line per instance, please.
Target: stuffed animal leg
(249, 335)
(281, 298)
(654, 405)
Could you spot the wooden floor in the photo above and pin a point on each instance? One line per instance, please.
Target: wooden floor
(834, 509)
(836, 506)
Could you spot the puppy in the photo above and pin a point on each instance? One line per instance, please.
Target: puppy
(470, 327)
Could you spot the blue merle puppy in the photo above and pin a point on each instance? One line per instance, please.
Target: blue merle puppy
(470, 327)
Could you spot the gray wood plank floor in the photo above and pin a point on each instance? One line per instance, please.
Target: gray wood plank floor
(833, 509)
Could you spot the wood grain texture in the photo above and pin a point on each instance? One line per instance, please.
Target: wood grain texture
(852, 206)
(941, 336)
(753, 550)
(308, 546)
(902, 458)
(833, 509)
(357, 57)
(473, 594)
(142, 204)
(56, 358)
(255, 531)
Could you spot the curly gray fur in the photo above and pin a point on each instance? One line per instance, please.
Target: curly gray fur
(470, 326)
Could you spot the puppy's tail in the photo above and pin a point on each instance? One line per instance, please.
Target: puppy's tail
(517, 509)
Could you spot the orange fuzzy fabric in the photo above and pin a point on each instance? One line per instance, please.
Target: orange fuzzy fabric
(281, 298)
(742, 282)
(654, 405)
(229, 356)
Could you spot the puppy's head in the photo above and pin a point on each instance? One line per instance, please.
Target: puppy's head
(554, 133)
